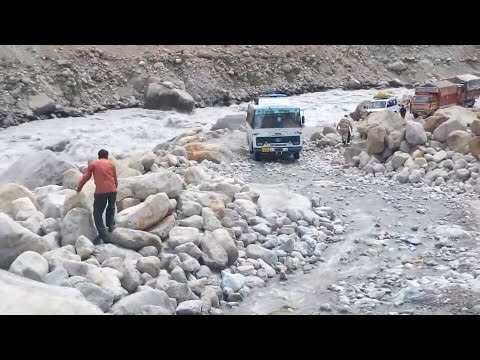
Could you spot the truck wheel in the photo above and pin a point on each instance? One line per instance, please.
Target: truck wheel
(415, 115)
(257, 156)
(296, 155)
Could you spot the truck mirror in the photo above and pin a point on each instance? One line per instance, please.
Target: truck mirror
(303, 120)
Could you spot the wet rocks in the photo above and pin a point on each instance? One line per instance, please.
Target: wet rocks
(376, 140)
(415, 134)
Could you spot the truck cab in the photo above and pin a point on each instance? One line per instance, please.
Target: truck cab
(274, 126)
(383, 102)
(430, 97)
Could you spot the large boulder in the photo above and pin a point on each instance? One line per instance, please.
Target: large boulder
(397, 66)
(15, 239)
(21, 296)
(217, 153)
(415, 133)
(71, 179)
(57, 257)
(36, 169)
(474, 146)
(107, 251)
(41, 104)
(181, 235)
(11, 192)
(218, 249)
(134, 239)
(134, 304)
(141, 187)
(433, 122)
(475, 127)
(96, 295)
(349, 153)
(441, 133)
(360, 110)
(30, 264)
(395, 138)
(76, 223)
(458, 141)
(161, 97)
(23, 208)
(231, 122)
(76, 200)
(458, 113)
(389, 120)
(376, 140)
(146, 214)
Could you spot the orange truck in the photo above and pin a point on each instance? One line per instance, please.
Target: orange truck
(430, 97)
(460, 90)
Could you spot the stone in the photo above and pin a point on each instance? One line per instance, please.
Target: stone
(114, 263)
(416, 176)
(191, 307)
(149, 265)
(190, 265)
(440, 156)
(11, 192)
(204, 272)
(40, 299)
(178, 275)
(463, 174)
(76, 200)
(399, 158)
(474, 146)
(131, 279)
(232, 281)
(475, 127)
(195, 175)
(56, 277)
(403, 176)
(15, 239)
(35, 169)
(106, 251)
(161, 97)
(180, 291)
(394, 139)
(212, 152)
(433, 122)
(84, 247)
(132, 304)
(50, 225)
(148, 251)
(143, 186)
(76, 223)
(258, 252)
(458, 141)
(162, 229)
(442, 132)
(397, 66)
(31, 265)
(415, 133)
(146, 214)
(182, 235)
(23, 208)
(262, 229)
(96, 295)
(194, 221)
(376, 140)
(218, 249)
(52, 240)
(134, 239)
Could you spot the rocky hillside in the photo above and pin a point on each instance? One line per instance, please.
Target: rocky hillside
(38, 82)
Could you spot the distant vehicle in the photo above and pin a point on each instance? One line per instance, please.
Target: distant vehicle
(383, 102)
(430, 97)
(274, 126)
(460, 90)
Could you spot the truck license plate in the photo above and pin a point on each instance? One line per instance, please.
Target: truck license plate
(265, 149)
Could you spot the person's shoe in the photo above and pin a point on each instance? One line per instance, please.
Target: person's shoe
(98, 240)
(111, 228)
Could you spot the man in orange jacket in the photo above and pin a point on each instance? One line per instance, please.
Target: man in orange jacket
(105, 177)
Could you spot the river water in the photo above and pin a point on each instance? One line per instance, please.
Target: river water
(131, 131)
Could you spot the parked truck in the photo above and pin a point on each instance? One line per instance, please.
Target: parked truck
(430, 97)
(468, 89)
(460, 90)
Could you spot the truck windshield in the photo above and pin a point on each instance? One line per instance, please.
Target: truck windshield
(377, 105)
(277, 120)
(421, 99)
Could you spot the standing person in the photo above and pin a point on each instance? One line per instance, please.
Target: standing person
(105, 177)
(344, 128)
(403, 111)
